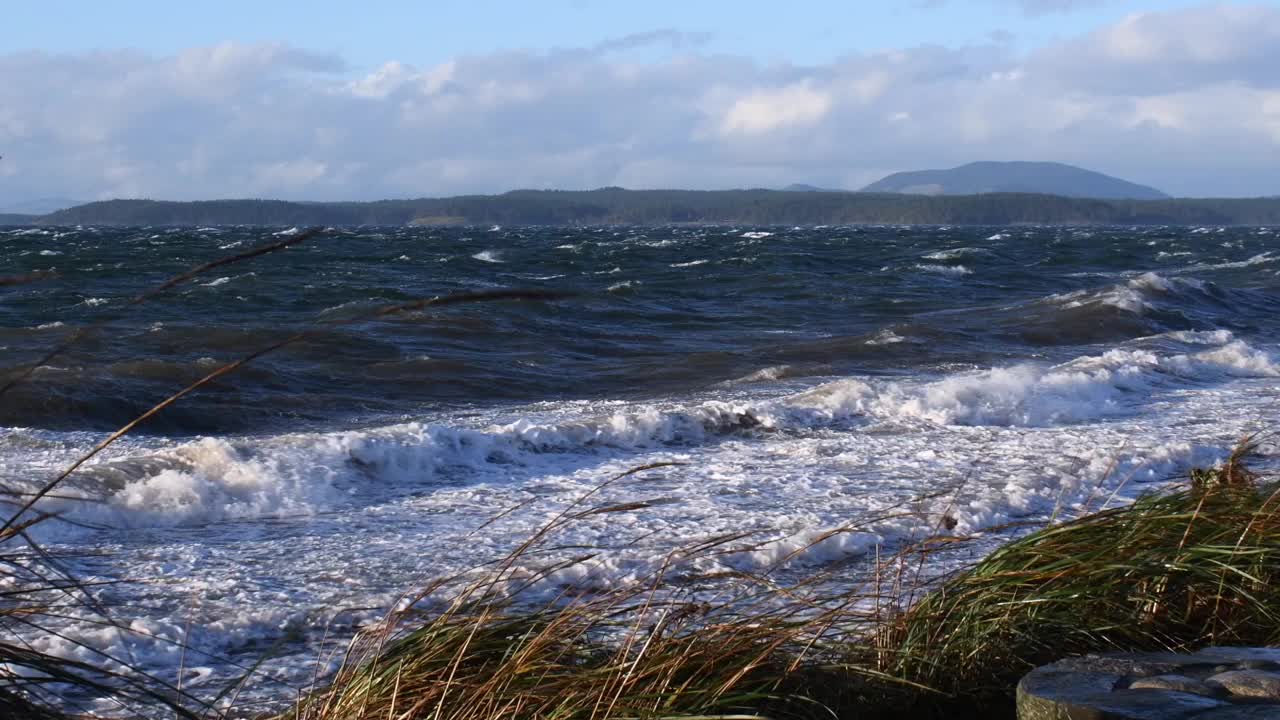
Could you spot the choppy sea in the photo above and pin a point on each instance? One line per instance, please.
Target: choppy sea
(804, 378)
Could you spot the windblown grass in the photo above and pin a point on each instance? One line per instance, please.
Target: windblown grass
(1173, 571)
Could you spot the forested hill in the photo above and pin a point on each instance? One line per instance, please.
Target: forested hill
(649, 207)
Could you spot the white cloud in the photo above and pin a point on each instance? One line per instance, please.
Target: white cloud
(1184, 100)
(1154, 53)
(765, 110)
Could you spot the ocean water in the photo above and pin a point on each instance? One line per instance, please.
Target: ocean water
(805, 379)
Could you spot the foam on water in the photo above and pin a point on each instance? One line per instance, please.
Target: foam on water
(945, 269)
(956, 253)
(217, 479)
(830, 409)
(1134, 296)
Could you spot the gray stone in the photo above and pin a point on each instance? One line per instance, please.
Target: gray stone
(1116, 705)
(1049, 681)
(1233, 655)
(1249, 683)
(1241, 712)
(1137, 664)
(1213, 684)
(1180, 683)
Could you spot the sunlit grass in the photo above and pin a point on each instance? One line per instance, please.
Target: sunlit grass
(1173, 571)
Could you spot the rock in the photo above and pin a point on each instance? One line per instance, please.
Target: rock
(1248, 683)
(1180, 683)
(1137, 664)
(1241, 712)
(1234, 655)
(1213, 684)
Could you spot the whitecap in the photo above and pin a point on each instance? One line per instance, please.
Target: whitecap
(955, 270)
(956, 253)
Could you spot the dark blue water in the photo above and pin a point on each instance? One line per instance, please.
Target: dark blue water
(661, 311)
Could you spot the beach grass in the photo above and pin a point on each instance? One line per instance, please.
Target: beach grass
(1172, 571)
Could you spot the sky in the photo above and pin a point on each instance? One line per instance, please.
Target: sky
(327, 100)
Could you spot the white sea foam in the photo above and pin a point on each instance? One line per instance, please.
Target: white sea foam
(956, 270)
(1202, 337)
(956, 253)
(1259, 259)
(768, 374)
(1131, 296)
(756, 234)
(691, 263)
(216, 479)
(886, 337)
(489, 256)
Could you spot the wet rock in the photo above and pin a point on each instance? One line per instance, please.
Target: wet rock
(1248, 683)
(1213, 684)
(1179, 683)
(1241, 712)
(1234, 655)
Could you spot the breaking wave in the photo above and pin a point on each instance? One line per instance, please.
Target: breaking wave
(215, 479)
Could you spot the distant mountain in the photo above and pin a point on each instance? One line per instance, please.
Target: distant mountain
(803, 187)
(658, 207)
(38, 206)
(1015, 177)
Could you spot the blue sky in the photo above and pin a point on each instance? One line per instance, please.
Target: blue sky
(337, 99)
(428, 31)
